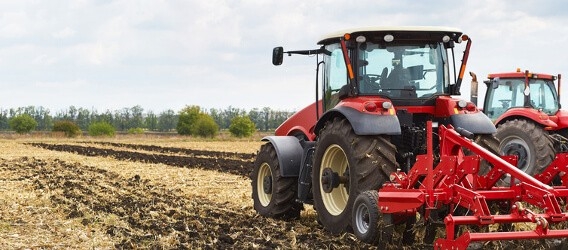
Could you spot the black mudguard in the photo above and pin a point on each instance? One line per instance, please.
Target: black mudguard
(363, 123)
(476, 123)
(289, 152)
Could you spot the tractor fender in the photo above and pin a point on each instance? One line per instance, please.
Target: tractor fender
(476, 123)
(534, 115)
(289, 152)
(362, 123)
(561, 118)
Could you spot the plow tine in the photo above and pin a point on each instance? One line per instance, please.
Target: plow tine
(464, 240)
(454, 182)
(529, 189)
(497, 162)
(558, 167)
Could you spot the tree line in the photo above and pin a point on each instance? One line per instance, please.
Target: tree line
(136, 117)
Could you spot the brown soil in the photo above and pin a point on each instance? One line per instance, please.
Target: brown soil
(146, 215)
(209, 160)
(145, 196)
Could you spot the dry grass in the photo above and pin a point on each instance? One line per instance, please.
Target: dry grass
(29, 219)
(61, 200)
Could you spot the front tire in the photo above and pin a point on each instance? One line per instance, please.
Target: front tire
(345, 165)
(274, 196)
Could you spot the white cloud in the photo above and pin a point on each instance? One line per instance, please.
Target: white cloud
(64, 33)
(13, 24)
(77, 83)
(188, 51)
(44, 60)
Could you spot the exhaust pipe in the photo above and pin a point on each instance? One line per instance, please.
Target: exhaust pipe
(473, 94)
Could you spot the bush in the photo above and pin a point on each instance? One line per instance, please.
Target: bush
(187, 119)
(101, 128)
(136, 131)
(22, 124)
(194, 122)
(242, 126)
(205, 126)
(68, 127)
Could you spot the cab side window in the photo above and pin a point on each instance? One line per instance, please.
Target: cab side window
(335, 75)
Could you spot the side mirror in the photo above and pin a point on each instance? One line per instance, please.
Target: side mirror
(277, 55)
(493, 83)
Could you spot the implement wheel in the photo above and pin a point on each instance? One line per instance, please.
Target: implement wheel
(529, 142)
(369, 224)
(345, 165)
(274, 196)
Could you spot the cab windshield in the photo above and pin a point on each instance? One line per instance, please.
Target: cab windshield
(509, 93)
(402, 71)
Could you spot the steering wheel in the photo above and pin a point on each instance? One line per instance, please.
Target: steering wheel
(505, 102)
(372, 78)
(370, 83)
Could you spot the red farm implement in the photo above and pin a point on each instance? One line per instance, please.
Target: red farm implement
(454, 182)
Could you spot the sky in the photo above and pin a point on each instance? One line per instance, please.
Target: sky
(160, 55)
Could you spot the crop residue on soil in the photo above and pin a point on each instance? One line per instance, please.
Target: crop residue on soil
(131, 196)
(133, 212)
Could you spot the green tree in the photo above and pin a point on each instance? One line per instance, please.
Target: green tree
(23, 123)
(101, 128)
(83, 118)
(4, 119)
(167, 121)
(242, 126)
(151, 121)
(228, 114)
(107, 117)
(187, 119)
(205, 126)
(122, 118)
(68, 127)
(137, 117)
(193, 121)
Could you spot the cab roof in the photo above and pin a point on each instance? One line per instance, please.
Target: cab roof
(332, 37)
(521, 74)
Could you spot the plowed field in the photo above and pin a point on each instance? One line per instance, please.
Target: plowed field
(146, 194)
(137, 195)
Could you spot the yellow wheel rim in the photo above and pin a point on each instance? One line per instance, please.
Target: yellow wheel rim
(334, 158)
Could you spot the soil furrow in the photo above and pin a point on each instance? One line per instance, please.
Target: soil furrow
(136, 214)
(191, 152)
(237, 167)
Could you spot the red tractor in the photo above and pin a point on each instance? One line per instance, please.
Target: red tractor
(525, 108)
(386, 144)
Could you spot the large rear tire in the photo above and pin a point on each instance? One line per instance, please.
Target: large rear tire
(274, 196)
(491, 143)
(529, 142)
(345, 165)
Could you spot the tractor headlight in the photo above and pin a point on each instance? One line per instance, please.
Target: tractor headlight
(462, 104)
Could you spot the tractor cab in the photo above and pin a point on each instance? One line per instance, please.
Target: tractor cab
(400, 70)
(407, 65)
(523, 90)
(394, 76)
